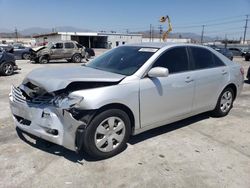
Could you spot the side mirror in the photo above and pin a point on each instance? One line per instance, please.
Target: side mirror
(158, 72)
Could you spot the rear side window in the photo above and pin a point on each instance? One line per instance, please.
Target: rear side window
(203, 58)
(69, 45)
(175, 59)
(217, 61)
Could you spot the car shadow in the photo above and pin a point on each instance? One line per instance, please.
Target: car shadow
(167, 128)
(78, 157)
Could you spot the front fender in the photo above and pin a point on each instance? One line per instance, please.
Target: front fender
(126, 94)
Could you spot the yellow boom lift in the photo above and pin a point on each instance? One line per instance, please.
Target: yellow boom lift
(163, 19)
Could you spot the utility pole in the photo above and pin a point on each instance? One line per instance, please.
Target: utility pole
(160, 31)
(150, 33)
(16, 34)
(245, 31)
(202, 34)
(225, 40)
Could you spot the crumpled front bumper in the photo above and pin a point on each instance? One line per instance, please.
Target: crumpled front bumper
(45, 121)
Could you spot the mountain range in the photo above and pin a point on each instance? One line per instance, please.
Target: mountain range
(28, 32)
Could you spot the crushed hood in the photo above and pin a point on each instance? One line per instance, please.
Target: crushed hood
(54, 79)
(38, 48)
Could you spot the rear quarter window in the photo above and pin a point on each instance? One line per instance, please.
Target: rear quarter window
(69, 45)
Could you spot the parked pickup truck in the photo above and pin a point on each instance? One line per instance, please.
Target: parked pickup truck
(69, 50)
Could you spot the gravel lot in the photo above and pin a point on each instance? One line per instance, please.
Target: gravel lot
(197, 152)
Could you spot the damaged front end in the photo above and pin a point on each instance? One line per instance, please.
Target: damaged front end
(54, 116)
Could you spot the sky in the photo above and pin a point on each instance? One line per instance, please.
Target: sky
(220, 17)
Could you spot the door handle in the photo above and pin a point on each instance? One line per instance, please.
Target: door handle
(188, 80)
(224, 72)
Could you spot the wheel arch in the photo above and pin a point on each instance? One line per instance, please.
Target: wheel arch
(121, 107)
(233, 87)
(81, 129)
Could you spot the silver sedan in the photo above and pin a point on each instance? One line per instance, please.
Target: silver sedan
(125, 91)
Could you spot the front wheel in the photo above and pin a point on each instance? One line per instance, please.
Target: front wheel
(107, 134)
(43, 60)
(224, 103)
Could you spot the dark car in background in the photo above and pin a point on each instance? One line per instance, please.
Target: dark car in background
(237, 51)
(7, 63)
(247, 56)
(7, 47)
(21, 52)
(224, 51)
(248, 74)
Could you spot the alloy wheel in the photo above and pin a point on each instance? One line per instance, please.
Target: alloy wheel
(8, 69)
(109, 134)
(226, 101)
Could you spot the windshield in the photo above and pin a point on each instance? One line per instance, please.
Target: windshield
(125, 60)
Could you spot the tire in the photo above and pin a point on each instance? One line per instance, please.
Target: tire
(7, 69)
(247, 58)
(99, 141)
(87, 55)
(77, 58)
(26, 56)
(224, 103)
(43, 59)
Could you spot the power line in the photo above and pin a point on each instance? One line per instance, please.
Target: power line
(218, 19)
(208, 25)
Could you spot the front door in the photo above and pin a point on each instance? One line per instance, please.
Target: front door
(166, 98)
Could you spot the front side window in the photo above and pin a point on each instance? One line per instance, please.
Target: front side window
(125, 60)
(57, 46)
(175, 59)
(203, 58)
(69, 45)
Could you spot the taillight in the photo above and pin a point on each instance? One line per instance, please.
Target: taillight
(242, 70)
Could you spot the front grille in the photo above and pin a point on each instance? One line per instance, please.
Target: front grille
(20, 97)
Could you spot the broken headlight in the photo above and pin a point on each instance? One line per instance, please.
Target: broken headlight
(66, 102)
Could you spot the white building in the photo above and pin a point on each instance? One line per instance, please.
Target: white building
(175, 40)
(90, 39)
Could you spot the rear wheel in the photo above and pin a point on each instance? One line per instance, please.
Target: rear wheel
(77, 58)
(107, 134)
(224, 103)
(7, 69)
(247, 58)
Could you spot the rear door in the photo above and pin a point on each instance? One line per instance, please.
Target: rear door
(164, 98)
(210, 75)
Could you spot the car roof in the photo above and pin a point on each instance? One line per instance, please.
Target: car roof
(162, 44)
(63, 41)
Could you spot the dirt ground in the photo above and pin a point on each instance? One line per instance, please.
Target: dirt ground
(197, 152)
